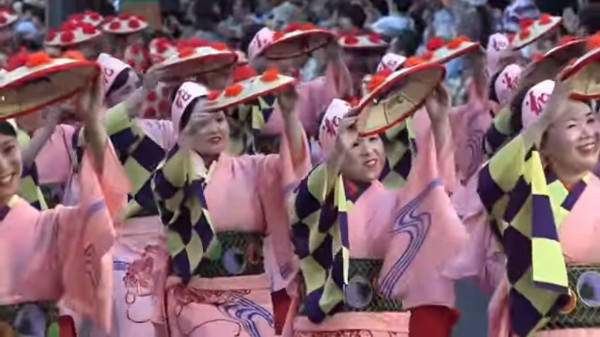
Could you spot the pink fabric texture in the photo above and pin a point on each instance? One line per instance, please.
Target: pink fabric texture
(53, 162)
(67, 247)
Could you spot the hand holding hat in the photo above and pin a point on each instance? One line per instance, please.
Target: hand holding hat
(438, 104)
(287, 99)
(91, 101)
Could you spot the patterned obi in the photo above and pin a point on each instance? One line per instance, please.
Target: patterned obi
(583, 309)
(29, 318)
(362, 292)
(241, 254)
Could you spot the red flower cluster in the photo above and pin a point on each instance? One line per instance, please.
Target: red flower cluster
(413, 61)
(435, 43)
(233, 90)
(457, 42)
(351, 39)
(593, 41)
(213, 95)
(545, 19)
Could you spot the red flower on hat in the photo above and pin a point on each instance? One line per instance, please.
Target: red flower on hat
(270, 75)
(69, 25)
(150, 112)
(74, 55)
(152, 96)
(140, 17)
(277, 35)
(385, 72)
(136, 49)
(88, 29)
(233, 90)
(435, 43)
(244, 72)
(376, 80)
(185, 52)
(593, 42)
(525, 23)
(163, 106)
(413, 61)
(351, 40)
(95, 16)
(428, 55)
(18, 60)
(3, 19)
(37, 59)
(51, 35)
(67, 37)
(123, 16)
(298, 26)
(524, 34)
(545, 19)
(375, 38)
(457, 42)
(166, 92)
(115, 25)
(218, 45)
(131, 63)
(134, 24)
(213, 95)
(161, 48)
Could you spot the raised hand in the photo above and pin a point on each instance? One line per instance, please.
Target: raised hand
(438, 104)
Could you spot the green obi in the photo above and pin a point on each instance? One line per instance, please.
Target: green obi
(583, 311)
(24, 319)
(361, 294)
(239, 254)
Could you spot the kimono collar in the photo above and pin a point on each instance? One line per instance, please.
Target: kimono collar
(354, 189)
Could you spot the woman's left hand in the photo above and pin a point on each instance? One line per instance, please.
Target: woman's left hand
(438, 104)
(91, 101)
(287, 99)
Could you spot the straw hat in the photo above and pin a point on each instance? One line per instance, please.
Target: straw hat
(7, 18)
(137, 57)
(440, 52)
(394, 98)
(88, 16)
(34, 81)
(72, 33)
(533, 30)
(585, 71)
(295, 40)
(391, 61)
(192, 61)
(247, 90)
(124, 24)
(535, 101)
(362, 41)
(157, 102)
(161, 49)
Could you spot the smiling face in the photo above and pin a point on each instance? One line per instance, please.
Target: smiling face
(211, 131)
(364, 162)
(10, 167)
(572, 143)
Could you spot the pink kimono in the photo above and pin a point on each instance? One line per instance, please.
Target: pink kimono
(244, 195)
(314, 98)
(64, 253)
(415, 232)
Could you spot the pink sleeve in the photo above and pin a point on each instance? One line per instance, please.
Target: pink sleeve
(277, 177)
(86, 236)
(54, 160)
(426, 234)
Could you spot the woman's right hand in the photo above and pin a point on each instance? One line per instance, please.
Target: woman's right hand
(347, 133)
(558, 100)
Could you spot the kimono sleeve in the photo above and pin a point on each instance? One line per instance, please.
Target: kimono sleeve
(277, 175)
(426, 235)
(86, 235)
(499, 132)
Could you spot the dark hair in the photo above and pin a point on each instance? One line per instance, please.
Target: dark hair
(7, 129)
(493, 94)
(407, 41)
(355, 13)
(589, 18)
(206, 17)
(39, 13)
(187, 113)
(249, 33)
(119, 81)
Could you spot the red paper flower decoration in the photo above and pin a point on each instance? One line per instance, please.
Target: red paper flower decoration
(351, 40)
(123, 16)
(435, 43)
(298, 26)
(150, 112)
(385, 72)
(67, 37)
(89, 29)
(152, 96)
(74, 55)
(545, 19)
(233, 90)
(115, 25)
(375, 38)
(244, 72)
(537, 56)
(278, 35)
(376, 80)
(163, 106)
(77, 17)
(412, 61)
(37, 59)
(3, 19)
(270, 75)
(427, 56)
(213, 95)
(457, 42)
(134, 24)
(185, 52)
(524, 34)
(69, 25)
(566, 39)
(593, 42)
(140, 17)
(218, 46)
(525, 23)
(166, 92)
(161, 48)
(95, 16)
(51, 35)
(18, 60)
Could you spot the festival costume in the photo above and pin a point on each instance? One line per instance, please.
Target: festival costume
(224, 265)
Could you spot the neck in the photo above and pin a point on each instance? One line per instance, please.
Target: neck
(570, 179)
(209, 159)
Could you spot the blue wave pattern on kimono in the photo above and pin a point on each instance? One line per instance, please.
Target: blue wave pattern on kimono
(244, 311)
(416, 225)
